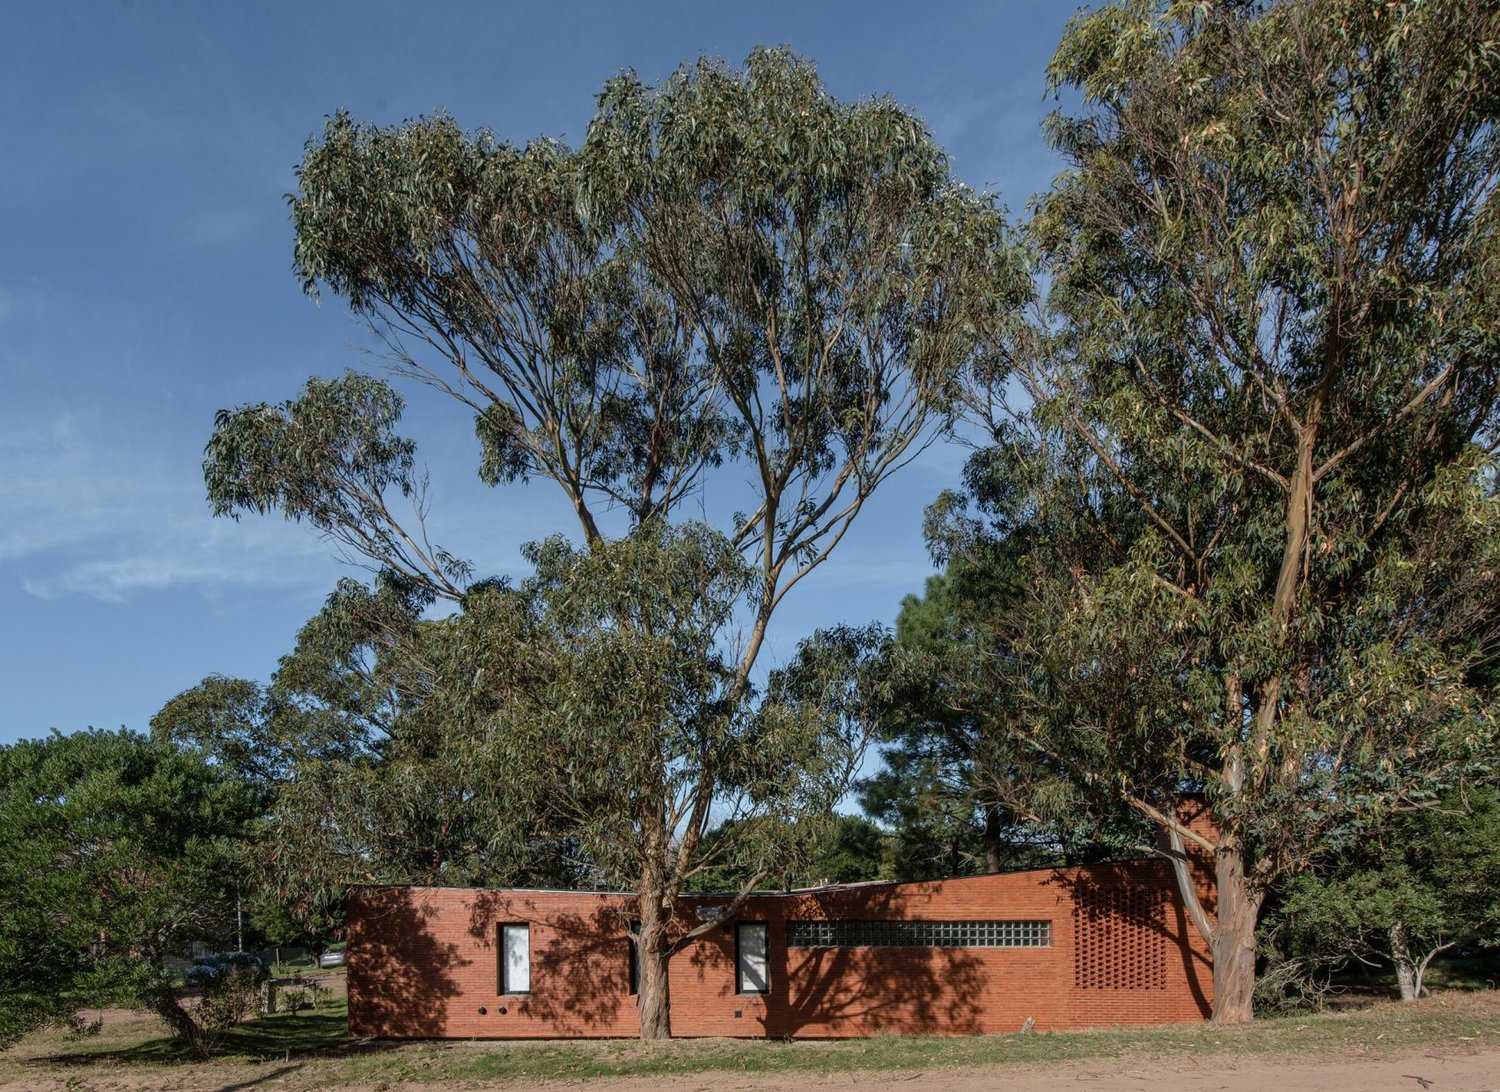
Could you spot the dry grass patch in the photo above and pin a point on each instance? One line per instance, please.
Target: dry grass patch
(310, 1050)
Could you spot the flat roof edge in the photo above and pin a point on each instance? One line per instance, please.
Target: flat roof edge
(796, 892)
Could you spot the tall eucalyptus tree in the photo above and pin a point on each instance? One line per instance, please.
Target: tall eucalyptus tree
(1255, 462)
(736, 285)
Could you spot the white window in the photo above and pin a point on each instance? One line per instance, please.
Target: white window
(515, 959)
(753, 973)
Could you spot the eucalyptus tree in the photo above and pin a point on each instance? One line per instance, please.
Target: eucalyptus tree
(1255, 426)
(737, 290)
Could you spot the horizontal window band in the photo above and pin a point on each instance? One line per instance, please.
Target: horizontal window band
(919, 934)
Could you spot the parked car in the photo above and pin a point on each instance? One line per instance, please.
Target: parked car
(335, 955)
(216, 968)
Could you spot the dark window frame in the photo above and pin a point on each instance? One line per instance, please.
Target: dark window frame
(505, 985)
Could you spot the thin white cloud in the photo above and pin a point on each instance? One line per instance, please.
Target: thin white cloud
(85, 515)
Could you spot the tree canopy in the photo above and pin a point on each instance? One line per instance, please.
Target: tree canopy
(954, 757)
(115, 853)
(1417, 885)
(1250, 433)
(738, 293)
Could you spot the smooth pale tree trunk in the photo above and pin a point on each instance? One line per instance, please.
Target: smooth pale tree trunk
(1409, 969)
(1230, 933)
(1406, 966)
(1234, 937)
(654, 988)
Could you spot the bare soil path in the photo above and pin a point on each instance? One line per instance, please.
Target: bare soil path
(1445, 1044)
(1478, 1071)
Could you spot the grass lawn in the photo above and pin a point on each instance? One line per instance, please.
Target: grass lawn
(316, 1046)
(287, 967)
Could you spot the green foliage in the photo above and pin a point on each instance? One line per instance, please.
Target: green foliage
(370, 740)
(853, 851)
(928, 793)
(958, 788)
(332, 458)
(735, 278)
(228, 990)
(1254, 457)
(301, 993)
(622, 706)
(822, 849)
(1423, 882)
(733, 267)
(115, 853)
(223, 717)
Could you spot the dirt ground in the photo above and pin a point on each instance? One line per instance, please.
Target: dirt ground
(1469, 1063)
(1478, 1071)
(1469, 1073)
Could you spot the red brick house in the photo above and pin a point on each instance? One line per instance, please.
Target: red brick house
(1067, 948)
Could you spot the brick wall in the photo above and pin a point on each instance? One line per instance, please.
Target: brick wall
(424, 962)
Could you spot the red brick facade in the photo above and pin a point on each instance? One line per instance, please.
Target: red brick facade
(425, 962)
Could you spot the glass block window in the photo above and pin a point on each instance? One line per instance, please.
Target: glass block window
(919, 934)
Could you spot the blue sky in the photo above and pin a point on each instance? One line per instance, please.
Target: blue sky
(145, 283)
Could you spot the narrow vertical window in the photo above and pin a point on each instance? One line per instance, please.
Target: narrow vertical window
(753, 972)
(515, 959)
(633, 953)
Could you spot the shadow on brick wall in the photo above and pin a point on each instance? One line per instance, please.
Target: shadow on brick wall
(580, 961)
(917, 991)
(1128, 928)
(914, 990)
(836, 990)
(403, 974)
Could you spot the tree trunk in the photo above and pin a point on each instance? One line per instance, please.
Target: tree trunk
(183, 1026)
(994, 857)
(1406, 966)
(655, 992)
(1234, 936)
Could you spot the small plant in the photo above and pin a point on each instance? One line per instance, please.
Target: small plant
(81, 1027)
(229, 985)
(303, 993)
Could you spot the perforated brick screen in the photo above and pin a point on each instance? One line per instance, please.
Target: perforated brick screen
(1120, 939)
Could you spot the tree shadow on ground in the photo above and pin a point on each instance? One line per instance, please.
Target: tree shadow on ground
(269, 1037)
